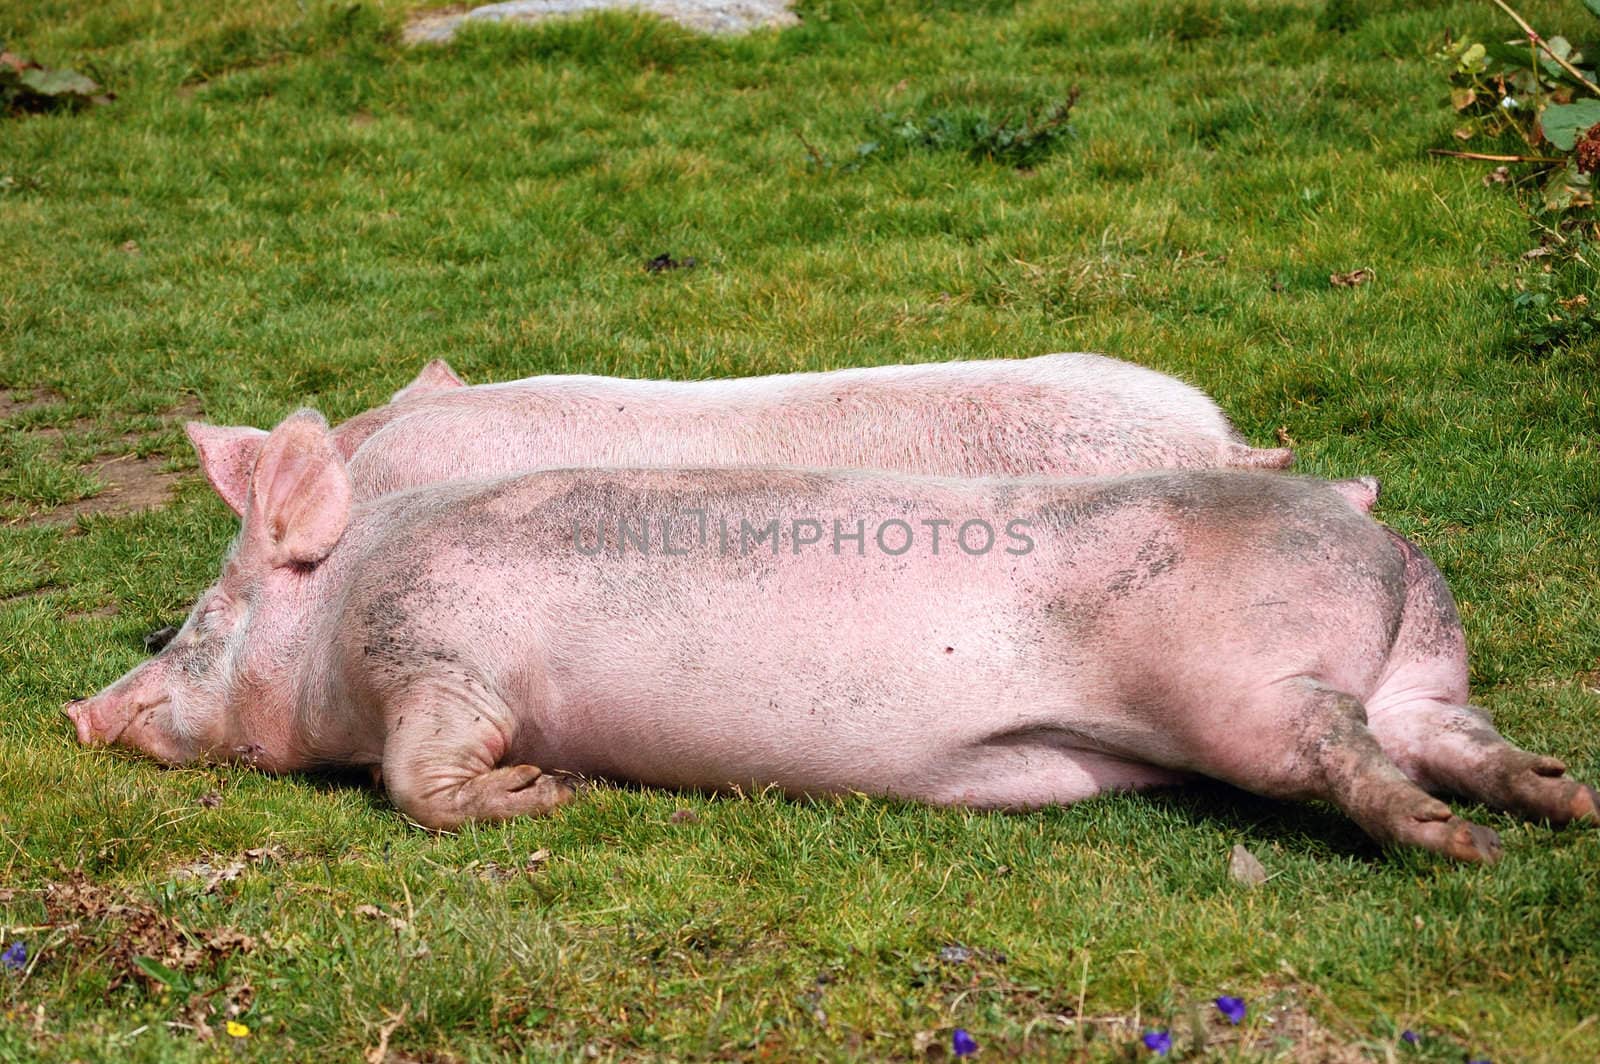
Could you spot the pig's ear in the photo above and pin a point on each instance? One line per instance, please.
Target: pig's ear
(436, 376)
(227, 454)
(299, 494)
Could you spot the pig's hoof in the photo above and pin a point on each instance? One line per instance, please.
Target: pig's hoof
(1463, 840)
(1585, 805)
(1544, 792)
(1435, 827)
(513, 791)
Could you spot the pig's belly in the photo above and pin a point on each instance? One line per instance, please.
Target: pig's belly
(1011, 769)
(975, 704)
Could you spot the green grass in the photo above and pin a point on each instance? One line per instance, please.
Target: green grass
(318, 211)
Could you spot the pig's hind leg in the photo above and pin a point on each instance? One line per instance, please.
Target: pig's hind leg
(1454, 749)
(1421, 717)
(441, 764)
(1319, 747)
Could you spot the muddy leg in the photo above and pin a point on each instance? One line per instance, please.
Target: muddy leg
(1335, 757)
(1455, 749)
(441, 767)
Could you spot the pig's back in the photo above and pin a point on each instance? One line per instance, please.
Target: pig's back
(1066, 414)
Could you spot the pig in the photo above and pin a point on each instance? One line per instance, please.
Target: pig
(997, 643)
(1062, 414)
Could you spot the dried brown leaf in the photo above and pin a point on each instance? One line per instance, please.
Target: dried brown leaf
(372, 912)
(122, 929)
(379, 1053)
(1351, 279)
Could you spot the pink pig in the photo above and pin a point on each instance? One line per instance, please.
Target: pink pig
(999, 643)
(1061, 415)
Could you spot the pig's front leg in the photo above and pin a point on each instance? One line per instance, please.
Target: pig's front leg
(442, 762)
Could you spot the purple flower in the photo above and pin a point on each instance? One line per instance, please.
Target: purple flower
(1231, 1007)
(15, 956)
(962, 1043)
(1410, 1037)
(1157, 1042)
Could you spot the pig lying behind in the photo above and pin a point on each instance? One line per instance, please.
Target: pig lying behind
(1063, 415)
(992, 643)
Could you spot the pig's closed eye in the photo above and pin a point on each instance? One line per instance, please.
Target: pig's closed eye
(156, 640)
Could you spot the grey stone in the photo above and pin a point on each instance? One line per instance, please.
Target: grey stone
(706, 16)
(1245, 868)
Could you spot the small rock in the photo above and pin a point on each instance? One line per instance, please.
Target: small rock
(955, 954)
(704, 16)
(1245, 868)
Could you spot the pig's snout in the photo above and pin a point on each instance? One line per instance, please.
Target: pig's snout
(103, 719)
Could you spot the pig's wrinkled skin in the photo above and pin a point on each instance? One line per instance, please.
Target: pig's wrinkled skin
(1249, 627)
(1056, 415)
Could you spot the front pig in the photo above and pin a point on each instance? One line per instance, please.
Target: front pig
(1000, 644)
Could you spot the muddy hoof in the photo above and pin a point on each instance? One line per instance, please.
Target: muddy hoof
(1472, 842)
(1585, 805)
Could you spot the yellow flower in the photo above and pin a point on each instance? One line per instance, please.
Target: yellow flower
(238, 1030)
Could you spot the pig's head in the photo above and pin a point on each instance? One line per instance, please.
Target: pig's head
(223, 689)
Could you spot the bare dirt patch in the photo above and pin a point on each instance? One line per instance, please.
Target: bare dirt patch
(132, 483)
(33, 401)
(99, 611)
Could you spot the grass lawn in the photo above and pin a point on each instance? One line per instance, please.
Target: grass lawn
(285, 206)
